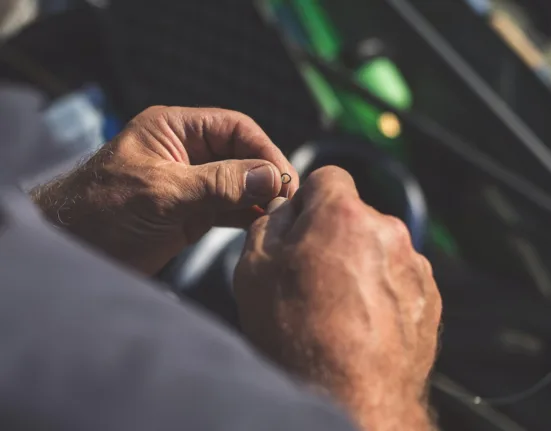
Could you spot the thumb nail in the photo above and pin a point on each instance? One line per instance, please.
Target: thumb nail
(260, 181)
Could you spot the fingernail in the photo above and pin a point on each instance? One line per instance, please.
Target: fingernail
(260, 181)
(275, 204)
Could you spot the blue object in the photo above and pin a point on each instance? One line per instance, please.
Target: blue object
(111, 126)
(288, 19)
(481, 7)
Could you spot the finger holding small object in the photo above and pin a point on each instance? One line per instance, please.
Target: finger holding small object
(289, 182)
(275, 204)
(287, 188)
(268, 231)
(286, 178)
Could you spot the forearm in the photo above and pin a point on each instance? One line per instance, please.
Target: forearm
(49, 198)
(60, 199)
(85, 203)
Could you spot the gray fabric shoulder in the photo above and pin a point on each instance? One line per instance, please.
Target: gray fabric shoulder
(88, 346)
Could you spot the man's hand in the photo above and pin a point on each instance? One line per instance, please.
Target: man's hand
(169, 177)
(334, 291)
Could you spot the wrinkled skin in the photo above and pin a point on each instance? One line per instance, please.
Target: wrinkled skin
(334, 291)
(327, 287)
(170, 176)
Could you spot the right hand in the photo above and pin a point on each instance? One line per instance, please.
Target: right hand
(333, 291)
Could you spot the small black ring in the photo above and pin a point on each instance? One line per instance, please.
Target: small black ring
(286, 178)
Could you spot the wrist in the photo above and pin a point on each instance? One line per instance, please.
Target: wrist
(377, 399)
(380, 410)
(385, 408)
(411, 416)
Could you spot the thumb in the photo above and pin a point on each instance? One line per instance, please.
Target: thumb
(234, 184)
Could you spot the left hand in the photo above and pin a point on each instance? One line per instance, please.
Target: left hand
(169, 177)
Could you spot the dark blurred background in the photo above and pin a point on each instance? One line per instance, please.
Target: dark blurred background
(440, 110)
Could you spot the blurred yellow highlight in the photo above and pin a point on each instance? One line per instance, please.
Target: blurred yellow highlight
(389, 125)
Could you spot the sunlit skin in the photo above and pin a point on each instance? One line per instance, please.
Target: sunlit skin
(327, 287)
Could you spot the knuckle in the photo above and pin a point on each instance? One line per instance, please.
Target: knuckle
(254, 240)
(425, 265)
(431, 290)
(243, 118)
(151, 116)
(257, 227)
(347, 208)
(435, 314)
(330, 181)
(302, 254)
(151, 112)
(397, 230)
(154, 110)
(222, 182)
(438, 305)
(234, 117)
(327, 173)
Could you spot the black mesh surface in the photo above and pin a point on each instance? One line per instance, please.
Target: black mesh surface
(211, 53)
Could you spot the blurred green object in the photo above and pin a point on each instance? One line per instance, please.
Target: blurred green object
(323, 36)
(325, 95)
(442, 238)
(384, 80)
(361, 117)
(379, 75)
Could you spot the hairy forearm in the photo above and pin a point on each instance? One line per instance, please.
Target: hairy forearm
(76, 203)
(51, 198)
(61, 199)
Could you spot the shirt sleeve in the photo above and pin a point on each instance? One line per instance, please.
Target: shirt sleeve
(86, 345)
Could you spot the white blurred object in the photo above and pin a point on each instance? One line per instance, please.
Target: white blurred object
(39, 140)
(481, 7)
(16, 14)
(75, 123)
(75, 129)
(205, 253)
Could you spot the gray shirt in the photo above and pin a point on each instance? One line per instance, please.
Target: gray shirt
(86, 345)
